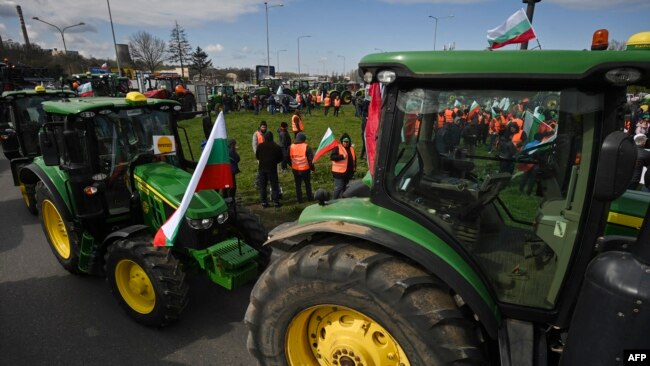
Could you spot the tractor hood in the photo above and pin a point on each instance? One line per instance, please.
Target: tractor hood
(158, 93)
(169, 183)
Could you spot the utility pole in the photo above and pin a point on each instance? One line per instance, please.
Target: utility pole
(530, 10)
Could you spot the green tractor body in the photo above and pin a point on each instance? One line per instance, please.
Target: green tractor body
(221, 94)
(334, 89)
(503, 235)
(105, 184)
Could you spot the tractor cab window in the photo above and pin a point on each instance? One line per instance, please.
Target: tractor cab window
(501, 171)
(29, 114)
(122, 136)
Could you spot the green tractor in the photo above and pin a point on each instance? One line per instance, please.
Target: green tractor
(21, 118)
(334, 90)
(442, 257)
(102, 194)
(218, 93)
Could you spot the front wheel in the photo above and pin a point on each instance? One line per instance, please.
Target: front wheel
(351, 304)
(147, 281)
(28, 191)
(64, 242)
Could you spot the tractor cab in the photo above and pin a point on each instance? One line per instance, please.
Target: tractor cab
(100, 85)
(170, 86)
(221, 95)
(22, 117)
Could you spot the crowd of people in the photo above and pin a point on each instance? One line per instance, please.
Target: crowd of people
(292, 153)
(637, 124)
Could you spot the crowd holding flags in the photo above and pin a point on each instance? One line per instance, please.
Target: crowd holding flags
(517, 29)
(212, 172)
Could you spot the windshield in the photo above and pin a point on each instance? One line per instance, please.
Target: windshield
(502, 172)
(29, 115)
(122, 136)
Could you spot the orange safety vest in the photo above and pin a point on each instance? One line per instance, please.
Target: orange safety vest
(441, 121)
(337, 102)
(319, 98)
(260, 137)
(296, 123)
(449, 116)
(327, 101)
(298, 154)
(341, 166)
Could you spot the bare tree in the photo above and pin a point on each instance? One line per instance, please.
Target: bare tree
(147, 49)
(179, 47)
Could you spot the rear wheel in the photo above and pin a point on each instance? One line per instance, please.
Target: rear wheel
(346, 97)
(146, 281)
(64, 242)
(28, 191)
(353, 305)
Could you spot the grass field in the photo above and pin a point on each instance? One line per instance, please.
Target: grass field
(242, 125)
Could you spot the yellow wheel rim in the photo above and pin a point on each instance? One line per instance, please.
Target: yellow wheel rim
(135, 286)
(23, 192)
(337, 335)
(55, 229)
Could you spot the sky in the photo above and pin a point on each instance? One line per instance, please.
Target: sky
(341, 32)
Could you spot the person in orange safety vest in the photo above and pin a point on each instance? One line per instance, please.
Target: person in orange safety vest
(302, 165)
(326, 103)
(344, 164)
(296, 123)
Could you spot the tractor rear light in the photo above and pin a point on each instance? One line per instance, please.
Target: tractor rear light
(367, 77)
(90, 191)
(177, 108)
(623, 76)
(386, 76)
(200, 224)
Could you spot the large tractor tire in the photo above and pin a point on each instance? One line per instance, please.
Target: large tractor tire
(28, 191)
(254, 233)
(64, 242)
(147, 281)
(344, 304)
(333, 95)
(346, 97)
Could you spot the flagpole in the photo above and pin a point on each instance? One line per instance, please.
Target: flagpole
(530, 10)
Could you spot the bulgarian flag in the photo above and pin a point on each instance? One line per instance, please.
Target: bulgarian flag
(474, 108)
(532, 121)
(327, 143)
(212, 172)
(85, 90)
(517, 29)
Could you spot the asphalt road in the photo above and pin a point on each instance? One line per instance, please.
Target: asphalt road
(50, 317)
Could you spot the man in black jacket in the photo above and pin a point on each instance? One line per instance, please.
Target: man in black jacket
(642, 160)
(269, 155)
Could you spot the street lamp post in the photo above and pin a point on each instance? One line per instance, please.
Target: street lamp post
(343, 57)
(117, 56)
(277, 54)
(268, 57)
(299, 55)
(435, 31)
(65, 49)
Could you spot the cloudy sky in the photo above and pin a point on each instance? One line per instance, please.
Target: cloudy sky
(233, 32)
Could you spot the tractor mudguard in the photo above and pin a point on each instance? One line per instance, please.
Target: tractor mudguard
(33, 173)
(124, 233)
(288, 236)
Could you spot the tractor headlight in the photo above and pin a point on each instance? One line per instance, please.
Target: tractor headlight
(222, 218)
(386, 76)
(623, 76)
(200, 224)
(367, 77)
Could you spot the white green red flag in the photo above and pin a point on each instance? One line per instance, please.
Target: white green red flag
(85, 90)
(327, 143)
(474, 108)
(212, 172)
(517, 29)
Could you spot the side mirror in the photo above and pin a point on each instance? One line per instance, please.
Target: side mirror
(49, 148)
(615, 168)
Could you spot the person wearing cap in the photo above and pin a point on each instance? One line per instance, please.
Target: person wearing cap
(302, 165)
(642, 160)
(269, 155)
(296, 123)
(344, 165)
(258, 136)
(285, 144)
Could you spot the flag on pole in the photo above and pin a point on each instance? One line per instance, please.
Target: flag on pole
(517, 29)
(279, 89)
(212, 172)
(327, 143)
(372, 125)
(104, 66)
(474, 108)
(85, 90)
(532, 121)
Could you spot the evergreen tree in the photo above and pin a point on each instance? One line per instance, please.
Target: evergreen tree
(179, 47)
(200, 62)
